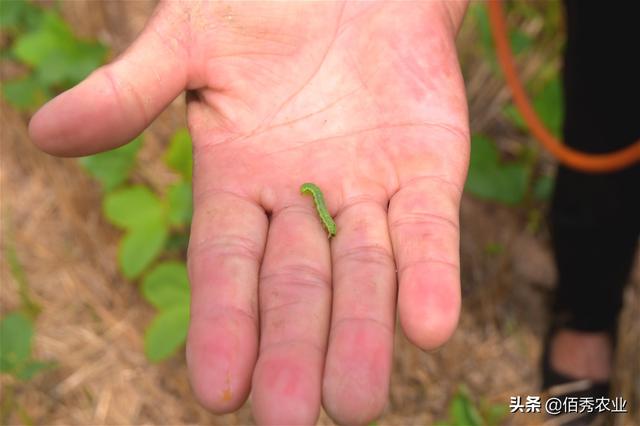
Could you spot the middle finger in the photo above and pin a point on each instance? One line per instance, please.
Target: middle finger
(295, 305)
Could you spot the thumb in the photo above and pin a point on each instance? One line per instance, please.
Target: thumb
(119, 100)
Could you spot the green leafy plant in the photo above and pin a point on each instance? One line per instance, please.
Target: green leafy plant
(464, 412)
(113, 168)
(493, 179)
(507, 182)
(16, 328)
(545, 90)
(155, 227)
(548, 104)
(16, 335)
(29, 306)
(178, 155)
(543, 187)
(18, 16)
(166, 287)
(143, 216)
(56, 59)
(179, 197)
(147, 218)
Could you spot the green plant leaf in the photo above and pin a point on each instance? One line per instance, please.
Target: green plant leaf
(32, 367)
(18, 15)
(113, 167)
(140, 247)
(34, 47)
(166, 333)
(489, 179)
(180, 203)
(512, 114)
(16, 331)
(178, 242)
(11, 13)
(30, 308)
(133, 207)
(56, 55)
(496, 413)
(520, 41)
(178, 155)
(549, 105)
(483, 152)
(25, 93)
(462, 412)
(167, 285)
(512, 183)
(543, 188)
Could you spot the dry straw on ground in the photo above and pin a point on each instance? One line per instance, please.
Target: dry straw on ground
(92, 320)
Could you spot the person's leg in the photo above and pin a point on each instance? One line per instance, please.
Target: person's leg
(595, 219)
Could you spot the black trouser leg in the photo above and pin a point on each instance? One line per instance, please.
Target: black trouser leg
(595, 218)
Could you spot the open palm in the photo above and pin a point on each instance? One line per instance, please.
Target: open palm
(363, 99)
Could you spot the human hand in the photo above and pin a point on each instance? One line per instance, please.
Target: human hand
(366, 100)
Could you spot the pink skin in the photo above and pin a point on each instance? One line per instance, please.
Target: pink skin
(364, 99)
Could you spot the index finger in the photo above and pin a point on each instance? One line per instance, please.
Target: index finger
(228, 236)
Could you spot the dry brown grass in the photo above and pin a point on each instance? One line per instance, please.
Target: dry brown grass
(92, 320)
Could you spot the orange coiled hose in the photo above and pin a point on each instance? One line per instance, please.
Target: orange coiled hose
(594, 163)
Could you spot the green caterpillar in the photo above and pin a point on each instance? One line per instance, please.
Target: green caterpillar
(326, 218)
